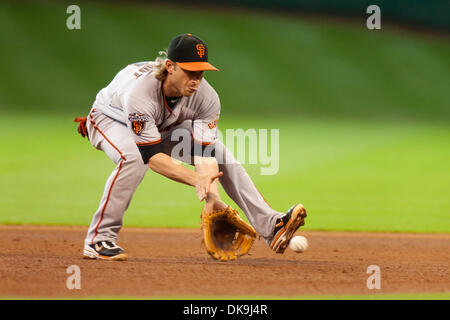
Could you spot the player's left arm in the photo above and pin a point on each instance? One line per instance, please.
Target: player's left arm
(204, 128)
(205, 136)
(208, 166)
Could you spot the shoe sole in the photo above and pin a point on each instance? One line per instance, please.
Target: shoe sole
(297, 220)
(91, 254)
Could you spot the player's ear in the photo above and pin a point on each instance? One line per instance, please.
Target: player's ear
(170, 66)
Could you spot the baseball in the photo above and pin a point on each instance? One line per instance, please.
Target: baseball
(298, 244)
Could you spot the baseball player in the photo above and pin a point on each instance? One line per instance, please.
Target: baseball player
(134, 119)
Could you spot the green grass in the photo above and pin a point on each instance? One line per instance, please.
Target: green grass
(350, 176)
(363, 115)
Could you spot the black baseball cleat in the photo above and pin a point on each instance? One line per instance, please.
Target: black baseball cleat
(286, 226)
(104, 250)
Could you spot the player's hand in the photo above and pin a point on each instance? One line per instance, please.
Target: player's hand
(203, 183)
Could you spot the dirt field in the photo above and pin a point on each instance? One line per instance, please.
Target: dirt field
(171, 262)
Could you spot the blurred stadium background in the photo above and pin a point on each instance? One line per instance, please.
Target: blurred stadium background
(363, 114)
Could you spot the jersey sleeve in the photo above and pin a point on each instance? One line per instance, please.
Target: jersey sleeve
(142, 125)
(205, 123)
(141, 121)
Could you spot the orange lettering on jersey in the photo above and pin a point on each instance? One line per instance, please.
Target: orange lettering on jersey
(200, 50)
(145, 69)
(213, 124)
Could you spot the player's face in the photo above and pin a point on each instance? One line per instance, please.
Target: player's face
(186, 82)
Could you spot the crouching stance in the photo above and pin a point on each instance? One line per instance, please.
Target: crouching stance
(139, 119)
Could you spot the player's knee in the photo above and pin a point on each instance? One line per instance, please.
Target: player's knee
(134, 168)
(223, 155)
(133, 159)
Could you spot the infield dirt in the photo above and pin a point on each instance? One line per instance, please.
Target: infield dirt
(172, 262)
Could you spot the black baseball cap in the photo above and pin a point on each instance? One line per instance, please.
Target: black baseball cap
(190, 53)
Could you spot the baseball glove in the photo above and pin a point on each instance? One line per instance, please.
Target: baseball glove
(226, 235)
(82, 126)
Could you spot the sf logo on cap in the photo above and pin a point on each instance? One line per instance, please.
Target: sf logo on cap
(200, 50)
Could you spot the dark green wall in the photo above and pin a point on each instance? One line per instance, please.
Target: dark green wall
(428, 13)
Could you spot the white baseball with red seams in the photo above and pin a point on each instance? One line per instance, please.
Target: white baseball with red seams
(298, 244)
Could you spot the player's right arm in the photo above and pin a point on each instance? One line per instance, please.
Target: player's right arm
(166, 166)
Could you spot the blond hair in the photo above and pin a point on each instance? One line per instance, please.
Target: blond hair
(159, 68)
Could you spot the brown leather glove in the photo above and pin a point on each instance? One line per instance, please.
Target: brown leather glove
(82, 126)
(226, 235)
